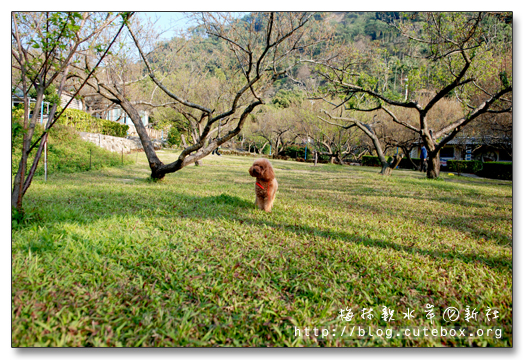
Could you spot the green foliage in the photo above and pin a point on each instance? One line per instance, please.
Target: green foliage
(285, 98)
(219, 73)
(465, 166)
(50, 94)
(504, 79)
(163, 118)
(267, 149)
(82, 121)
(496, 170)
(296, 151)
(17, 129)
(17, 216)
(367, 81)
(112, 259)
(355, 25)
(59, 29)
(174, 137)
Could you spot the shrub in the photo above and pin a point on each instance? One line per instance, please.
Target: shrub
(323, 158)
(296, 151)
(174, 137)
(496, 170)
(82, 121)
(280, 157)
(406, 164)
(466, 166)
(17, 115)
(237, 153)
(266, 150)
(368, 160)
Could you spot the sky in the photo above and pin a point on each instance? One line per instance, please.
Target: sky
(170, 22)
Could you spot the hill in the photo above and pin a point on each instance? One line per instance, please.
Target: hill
(66, 152)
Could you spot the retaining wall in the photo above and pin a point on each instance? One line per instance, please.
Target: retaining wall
(117, 144)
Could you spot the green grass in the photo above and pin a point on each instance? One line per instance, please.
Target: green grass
(109, 258)
(68, 153)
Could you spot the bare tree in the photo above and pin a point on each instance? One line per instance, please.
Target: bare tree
(459, 51)
(44, 46)
(369, 130)
(263, 50)
(278, 127)
(336, 142)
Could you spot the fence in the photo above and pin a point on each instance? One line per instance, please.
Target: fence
(152, 133)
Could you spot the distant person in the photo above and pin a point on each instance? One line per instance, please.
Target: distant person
(423, 158)
(216, 151)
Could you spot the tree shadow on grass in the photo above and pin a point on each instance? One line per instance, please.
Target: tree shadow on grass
(218, 206)
(463, 223)
(229, 200)
(372, 192)
(496, 263)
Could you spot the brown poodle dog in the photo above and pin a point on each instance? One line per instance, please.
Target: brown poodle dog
(265, 186)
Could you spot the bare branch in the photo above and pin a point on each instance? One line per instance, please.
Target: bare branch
(159, 84)
(396, 120)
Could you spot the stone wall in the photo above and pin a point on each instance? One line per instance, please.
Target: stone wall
(117, 144)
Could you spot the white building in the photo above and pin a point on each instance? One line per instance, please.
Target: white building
(75, 103)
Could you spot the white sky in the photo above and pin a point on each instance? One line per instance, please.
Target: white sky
(170, 22)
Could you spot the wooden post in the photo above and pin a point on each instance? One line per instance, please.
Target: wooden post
(45, 160)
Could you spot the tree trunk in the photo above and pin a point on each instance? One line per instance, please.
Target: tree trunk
(385, 165)
(147, 145)
(386, 169)
(183, 139)
(396, 160)
(330, 153)
(338, 159)
(407, 154)
(277, 145)
(434, 165)
(260, 151)
(29, 128)
(16, 195)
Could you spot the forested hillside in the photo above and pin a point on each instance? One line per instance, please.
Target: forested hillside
(385, 61)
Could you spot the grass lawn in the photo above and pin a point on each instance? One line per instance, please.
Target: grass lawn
(67, 153)
(109, 258)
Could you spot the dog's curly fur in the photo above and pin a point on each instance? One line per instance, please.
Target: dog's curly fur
(265, 193)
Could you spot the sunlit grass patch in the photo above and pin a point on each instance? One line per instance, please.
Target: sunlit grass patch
(109, 258)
